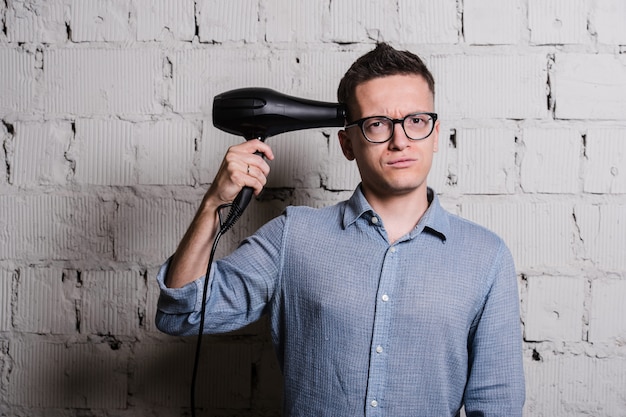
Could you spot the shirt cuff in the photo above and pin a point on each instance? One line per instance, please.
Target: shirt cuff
(183, 300)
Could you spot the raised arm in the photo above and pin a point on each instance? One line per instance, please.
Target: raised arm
(240, 168)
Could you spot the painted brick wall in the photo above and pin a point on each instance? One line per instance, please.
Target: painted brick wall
(108, 146)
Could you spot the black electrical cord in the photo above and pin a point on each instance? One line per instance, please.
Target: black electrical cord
(233, 215)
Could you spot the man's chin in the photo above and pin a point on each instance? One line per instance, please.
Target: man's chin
(401, 189)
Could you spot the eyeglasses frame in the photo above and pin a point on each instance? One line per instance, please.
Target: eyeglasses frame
(360, 123)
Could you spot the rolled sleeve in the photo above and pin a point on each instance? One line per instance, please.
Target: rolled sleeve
(178, 309)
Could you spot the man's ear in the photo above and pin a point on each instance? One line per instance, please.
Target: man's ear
(346, 145)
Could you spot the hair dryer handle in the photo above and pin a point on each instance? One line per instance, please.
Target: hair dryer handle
(239, 204)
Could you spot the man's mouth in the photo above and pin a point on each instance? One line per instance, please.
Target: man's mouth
(401, 162)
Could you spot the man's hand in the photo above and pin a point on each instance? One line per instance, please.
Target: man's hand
(240, 168)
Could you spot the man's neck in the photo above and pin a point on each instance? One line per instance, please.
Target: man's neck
(400, 213)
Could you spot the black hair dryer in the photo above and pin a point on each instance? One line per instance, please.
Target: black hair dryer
(258, 113)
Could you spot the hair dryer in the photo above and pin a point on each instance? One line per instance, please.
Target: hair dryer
(260, 113)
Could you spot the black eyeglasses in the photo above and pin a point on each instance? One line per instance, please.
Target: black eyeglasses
(379, 129)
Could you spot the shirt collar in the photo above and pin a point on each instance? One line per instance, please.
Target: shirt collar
(435, 220)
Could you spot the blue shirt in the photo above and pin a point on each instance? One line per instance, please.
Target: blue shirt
(362, 327)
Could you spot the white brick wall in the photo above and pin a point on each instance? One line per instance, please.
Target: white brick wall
(558, 22)
(605, 158)
(551, 161)
(107, 146)
(493, 22)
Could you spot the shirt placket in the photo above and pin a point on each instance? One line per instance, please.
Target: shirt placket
(379, 350)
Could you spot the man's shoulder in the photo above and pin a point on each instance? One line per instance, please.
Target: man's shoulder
(467, 229)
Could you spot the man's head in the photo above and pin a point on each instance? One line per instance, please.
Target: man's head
(382, 61)
(392, 130)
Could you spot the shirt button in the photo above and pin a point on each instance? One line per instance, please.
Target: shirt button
(393, 250)
(374, 403)
(379, 349)
(374, 220)
(385, 297)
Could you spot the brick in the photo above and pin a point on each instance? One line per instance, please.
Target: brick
(149, 230)
(102, 81)
(486, 161)
(554, 309)
(607, 311)
(493, 22)
(54, 227)
(165, 152)
(606, 307)
(151, 301)
(565, 385)
(110, 302)
(6, 300)
(163, 375)
(35, 21)
(3, 12)
(528, 229)
(4, 367)
(558, 22)
(41, 292)
(236, 20)
(428, 22)
(160, 20)
(299, 159)
(605, 161)
(313, 73)
(199, 75)
(115, 152)
(17, 81)
(494, 86)
(589, 87)
(603, 235)
(607, 19)
(297, 22)
(104, 152)
(101, 20)
(371, 21)
(5, 142)
(59, 375)
(319, 198)
(39, 153)
(212, 149)
(551, 160)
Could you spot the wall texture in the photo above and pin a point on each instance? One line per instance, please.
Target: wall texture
(108, 146)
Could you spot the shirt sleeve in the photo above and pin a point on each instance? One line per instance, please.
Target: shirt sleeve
(240, 287)
(496, 384)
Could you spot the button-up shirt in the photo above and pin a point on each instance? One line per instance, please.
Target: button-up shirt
(420, 327)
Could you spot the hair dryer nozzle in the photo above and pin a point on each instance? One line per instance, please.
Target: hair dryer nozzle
(261, 112)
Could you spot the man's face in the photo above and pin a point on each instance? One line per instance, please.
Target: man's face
(401, 165)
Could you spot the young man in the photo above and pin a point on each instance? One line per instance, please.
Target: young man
(382, 305)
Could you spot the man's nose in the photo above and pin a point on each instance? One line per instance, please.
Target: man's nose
(399, 139)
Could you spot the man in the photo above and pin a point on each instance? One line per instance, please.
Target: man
(382, 305)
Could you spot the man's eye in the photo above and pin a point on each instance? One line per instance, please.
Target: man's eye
(374, 124)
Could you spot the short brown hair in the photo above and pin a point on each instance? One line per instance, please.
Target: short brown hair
(382, 61)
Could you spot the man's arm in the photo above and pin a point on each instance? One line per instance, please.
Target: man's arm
(495, 384)
(240, 168)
